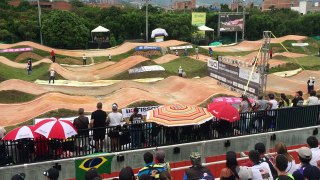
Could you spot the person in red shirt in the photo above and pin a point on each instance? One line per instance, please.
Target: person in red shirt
(53, 57)
(270, 53)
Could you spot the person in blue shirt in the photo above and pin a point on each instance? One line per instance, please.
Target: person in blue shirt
(150, 167)
(197, 171)
(306, 171)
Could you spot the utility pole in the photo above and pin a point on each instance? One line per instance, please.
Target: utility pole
(39, 14)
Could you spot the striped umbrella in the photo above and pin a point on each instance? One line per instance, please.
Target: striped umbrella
(56, 128)
(178, 115)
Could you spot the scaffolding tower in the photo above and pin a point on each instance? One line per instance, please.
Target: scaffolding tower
(264, 66)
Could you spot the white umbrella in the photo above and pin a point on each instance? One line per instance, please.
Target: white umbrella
(56, 128)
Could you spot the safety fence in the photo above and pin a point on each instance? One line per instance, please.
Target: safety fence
(146, 135)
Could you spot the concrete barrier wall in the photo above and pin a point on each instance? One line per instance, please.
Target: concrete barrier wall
(134, 158)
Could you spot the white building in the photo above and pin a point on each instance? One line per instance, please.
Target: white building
(306, 7)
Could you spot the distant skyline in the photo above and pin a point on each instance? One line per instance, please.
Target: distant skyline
(199, 2)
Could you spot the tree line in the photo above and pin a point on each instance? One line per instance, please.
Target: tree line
(71, 29)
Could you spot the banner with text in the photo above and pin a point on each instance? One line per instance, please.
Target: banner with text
(147, 48)
(234, 76)
(127, 112)
(146, 69)
(199, 19)
(16, 50)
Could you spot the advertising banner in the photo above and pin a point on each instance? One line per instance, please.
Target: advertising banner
(127, 112)
(198, 19)
(233, 76)
(146, 69)
(147, 48)
(181, 47)
(230, 23)
(16, 50)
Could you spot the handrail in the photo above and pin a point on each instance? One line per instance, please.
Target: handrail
(153, 148)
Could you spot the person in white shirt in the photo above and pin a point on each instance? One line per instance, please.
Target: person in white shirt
(84, 59)
(52, 75)
(270, 122)
(114, 119)
(109, 57)
(313, 99)
(260, 170)
(197, 52)
(313, 144)
(180, 71)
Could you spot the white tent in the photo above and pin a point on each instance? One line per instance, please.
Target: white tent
(206, 28)
(100, 29)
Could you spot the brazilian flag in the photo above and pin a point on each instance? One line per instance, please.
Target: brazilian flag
(102, 164)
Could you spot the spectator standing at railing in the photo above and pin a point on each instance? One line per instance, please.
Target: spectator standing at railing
(313, 144)
(261, 105)
(98, 121)
(284, 101)
(306, 171)
(245, 106)
(136, 131)
(197, 171)
(82, 124)
(312, 99)
(114, 120)
(271, 118)
(297, 101)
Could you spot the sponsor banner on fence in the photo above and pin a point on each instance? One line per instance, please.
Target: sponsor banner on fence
(147, 48)
(16, 50)
(126, 112)
(146, 69)
(181, 47)
(232, 76)
(245, 74)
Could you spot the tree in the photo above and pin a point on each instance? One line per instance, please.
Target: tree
(64, 29)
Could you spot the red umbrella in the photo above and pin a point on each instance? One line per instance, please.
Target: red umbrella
(56, 128)
(21, 133)
(225, 111)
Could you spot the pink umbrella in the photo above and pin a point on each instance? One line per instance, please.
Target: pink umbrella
(21, 133)
(224, 110)
(56, 128)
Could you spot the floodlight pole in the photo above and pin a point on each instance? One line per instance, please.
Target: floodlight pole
(243, 19)
(39, 14)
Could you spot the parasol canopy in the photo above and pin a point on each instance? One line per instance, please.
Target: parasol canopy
(224, 110)
(178, 115)
(56, 128)
(21, 133)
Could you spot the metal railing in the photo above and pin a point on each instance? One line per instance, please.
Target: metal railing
(146, 135)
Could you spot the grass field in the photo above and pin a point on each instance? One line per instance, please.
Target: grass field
(38, 72)
(13, 96)
(312, 49)
(191, 67)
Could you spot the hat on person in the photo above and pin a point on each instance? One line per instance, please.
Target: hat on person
(114, 106)
(160, 155)
(19, 176)
(51, 173)
(305, 153)
(92, 173)
(313, 78)
(195, 158)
